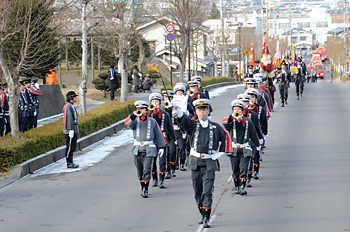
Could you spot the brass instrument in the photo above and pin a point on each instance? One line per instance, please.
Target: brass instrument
(191, 93)
(167, 105)
(138, 112)
(237, 115)
(151, 107)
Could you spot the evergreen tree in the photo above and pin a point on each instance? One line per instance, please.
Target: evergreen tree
(33, 49)
(214, 12)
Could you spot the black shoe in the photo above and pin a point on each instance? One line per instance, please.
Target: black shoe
(301, 95)
(297, 97)
(72, 165)
(155, 183)
(282, 104)
(248, 183)
(243, 191)
(173, 173)
(237, 190)
(161, 185)
(256, 176)
(144, 193)
(177, 167)
(286, 103)
(182, 167)
(206, 223)
(200, 221)
(167, 175)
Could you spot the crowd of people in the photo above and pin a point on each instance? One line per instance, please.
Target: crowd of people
(28, 106)
(176, 129)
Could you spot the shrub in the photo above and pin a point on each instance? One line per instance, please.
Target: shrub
(50, 136)
(345, 78)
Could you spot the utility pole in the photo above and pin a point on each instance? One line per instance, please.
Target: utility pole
(290, 24)
(240, 50)
(223, 61)
(267, 18)
(92, 58)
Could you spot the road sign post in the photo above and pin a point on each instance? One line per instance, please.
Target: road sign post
(170, 37)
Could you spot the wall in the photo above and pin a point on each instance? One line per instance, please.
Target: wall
(51, 101)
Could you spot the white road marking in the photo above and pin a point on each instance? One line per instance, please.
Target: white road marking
(211, 221)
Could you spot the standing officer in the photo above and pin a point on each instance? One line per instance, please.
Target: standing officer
(200, 88)
(23, 108)
(71, 128)
(260, 111)
(164, 121)
(283, 77)
(206, 137)
(5, 106)
(148, 139)
(300, 78)
(250, 72)
(113, 80)
(35, 91)
(2, 113)
(30, 100)
(242, 131)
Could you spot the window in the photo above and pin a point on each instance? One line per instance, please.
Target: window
(302, 38)
(284, 25)
(304, 25)
(321, 24)
(294, 39)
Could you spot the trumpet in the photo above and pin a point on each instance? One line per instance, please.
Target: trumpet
(191, 93)
(167, 105)
(151, 107)
(138, 112)
(237, 115)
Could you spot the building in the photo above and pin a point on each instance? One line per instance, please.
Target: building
(303, 39)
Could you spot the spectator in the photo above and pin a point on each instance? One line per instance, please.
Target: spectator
(113, 80)
(235, 74)
(136, 78)
(147, 84)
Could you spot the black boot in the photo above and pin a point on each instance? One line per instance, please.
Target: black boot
(256, 172)
(155, 179)
(206, 213)
(282, 101)
(173, 173)
(144, 189)
(167, 175)
(200, 221)
(242, 190)
(70, 163)
(161, 178)
(237, 184)
(248, 179)
(285, 101)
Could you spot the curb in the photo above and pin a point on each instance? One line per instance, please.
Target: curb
(31, 165)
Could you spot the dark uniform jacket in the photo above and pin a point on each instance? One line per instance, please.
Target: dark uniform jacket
(70, 118)
(245, 133)
(255, 120)
(165, 123)
(284, 77)
(221, 142)
(35, 108)
(5, 105)
(23, 106)
(206, 93)
(302, 72)
(260, 111)
(249, 75)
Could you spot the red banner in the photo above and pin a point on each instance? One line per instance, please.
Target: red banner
(251, 55)
(266, 61)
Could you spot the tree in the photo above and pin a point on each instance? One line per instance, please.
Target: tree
(213, 47)
(28, 46)
(214, 12)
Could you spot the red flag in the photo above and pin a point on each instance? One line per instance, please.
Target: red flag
(251, 55)
(266, 61)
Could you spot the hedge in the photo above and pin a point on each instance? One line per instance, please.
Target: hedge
(207, 81)
(50, 136)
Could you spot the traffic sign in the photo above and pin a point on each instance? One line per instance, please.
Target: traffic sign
(170, 28)
(170, 37)
(246, 52)
(246, 59)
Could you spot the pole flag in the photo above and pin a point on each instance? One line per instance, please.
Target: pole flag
(266, 62)
(278, 56)
(251, 55)
(294, 64)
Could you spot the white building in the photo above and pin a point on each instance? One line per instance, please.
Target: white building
(303, 39)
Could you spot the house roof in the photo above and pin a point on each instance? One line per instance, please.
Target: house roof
(337, 30)
(295, 31)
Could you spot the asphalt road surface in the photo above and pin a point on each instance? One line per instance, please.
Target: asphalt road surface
(304, 181)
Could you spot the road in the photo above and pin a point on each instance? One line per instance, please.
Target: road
(303, 182)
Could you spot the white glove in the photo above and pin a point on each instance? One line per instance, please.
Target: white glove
(177, 112)
(261, 141)
(265, 137)
(274, 82)
(161, 152)
(71, 134)
(175, 142)
(258, 148)
(37, 85)
(291, 83)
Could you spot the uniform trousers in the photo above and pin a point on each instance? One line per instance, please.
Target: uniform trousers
(2, 126)
(299, 86)
(181, 145)
(23, 124)
(143, 165)
(171, 155)
(162, 164)
(71, 145)
(203, 185)
(239, 165)
(283, 92)
(256, 160)
(8, 125)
